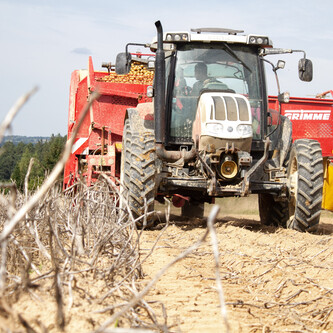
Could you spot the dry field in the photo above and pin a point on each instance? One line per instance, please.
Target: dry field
(75, 264)
(274, 280)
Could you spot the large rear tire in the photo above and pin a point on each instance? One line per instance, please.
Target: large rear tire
(138, 172)
(305, 177)
(272, 212)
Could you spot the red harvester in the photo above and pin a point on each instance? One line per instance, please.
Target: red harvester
(97, 146)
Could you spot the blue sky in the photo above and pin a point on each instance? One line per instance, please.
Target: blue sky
(42, 42)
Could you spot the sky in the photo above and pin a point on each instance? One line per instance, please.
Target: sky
(43, 41)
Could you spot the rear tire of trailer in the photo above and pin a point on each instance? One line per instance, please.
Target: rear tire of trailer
(192, 209)
(305, 178)
(272, 212)
(139, 172)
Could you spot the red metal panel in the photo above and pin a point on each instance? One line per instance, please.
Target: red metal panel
(312, 118)
(99, 139)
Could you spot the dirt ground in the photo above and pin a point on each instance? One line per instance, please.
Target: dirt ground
(274, 280)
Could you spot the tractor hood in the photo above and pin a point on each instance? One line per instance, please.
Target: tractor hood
(223, 120)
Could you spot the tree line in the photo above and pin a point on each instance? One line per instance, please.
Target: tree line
(15, 159)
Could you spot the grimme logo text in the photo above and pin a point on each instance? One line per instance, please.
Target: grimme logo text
(308, 114)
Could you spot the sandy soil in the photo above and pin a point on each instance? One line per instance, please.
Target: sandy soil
(274, 280)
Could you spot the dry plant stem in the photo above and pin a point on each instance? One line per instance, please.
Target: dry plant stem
(211, 219)
(136, 266)
(114, 187)
(70, 294)
(51, 179)
(26, 257)
(152, 282)
(3, 266)
(57, 282)
(33, 228)
(13, 111)
(40, 245)
(13, 192)
(13, 195)
(11, 212)
(26, 179)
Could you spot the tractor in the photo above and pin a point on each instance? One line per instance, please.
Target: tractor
(209, 133)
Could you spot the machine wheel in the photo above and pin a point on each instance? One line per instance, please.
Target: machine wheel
(139, 171)
(193, 209)
(305, 177)
(272, 212)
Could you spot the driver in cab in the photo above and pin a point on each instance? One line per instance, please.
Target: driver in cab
(204, 81)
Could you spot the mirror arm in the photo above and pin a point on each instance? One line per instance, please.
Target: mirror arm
(272, 51)
(274, 68)
(134, 44)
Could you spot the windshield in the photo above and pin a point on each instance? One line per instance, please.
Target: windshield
(213, 67)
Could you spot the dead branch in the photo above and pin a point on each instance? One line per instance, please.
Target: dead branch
(51, 179)
(26, 178)
(210, 223)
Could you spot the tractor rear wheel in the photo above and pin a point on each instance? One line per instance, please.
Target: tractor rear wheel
(272, 212)
(138, 172)
(193, 209)
(305, 177)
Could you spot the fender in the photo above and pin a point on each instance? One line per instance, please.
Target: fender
(142, 117)
(286, 140)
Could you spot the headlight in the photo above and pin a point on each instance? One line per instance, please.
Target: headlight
(214, 128)
(177, 37)
(261, 40)
(244, 130)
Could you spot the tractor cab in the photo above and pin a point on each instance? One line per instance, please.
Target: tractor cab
(224, 76)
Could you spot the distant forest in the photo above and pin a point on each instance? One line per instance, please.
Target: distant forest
(16, 152)
(16, 139)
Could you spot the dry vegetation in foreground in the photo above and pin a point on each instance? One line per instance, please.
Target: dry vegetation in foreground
(76, 262)
(75, 256)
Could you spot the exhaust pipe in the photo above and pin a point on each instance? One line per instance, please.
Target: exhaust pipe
(159, 100)
(159, 106)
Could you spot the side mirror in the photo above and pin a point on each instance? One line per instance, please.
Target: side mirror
(123, 63)
(305, 71)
